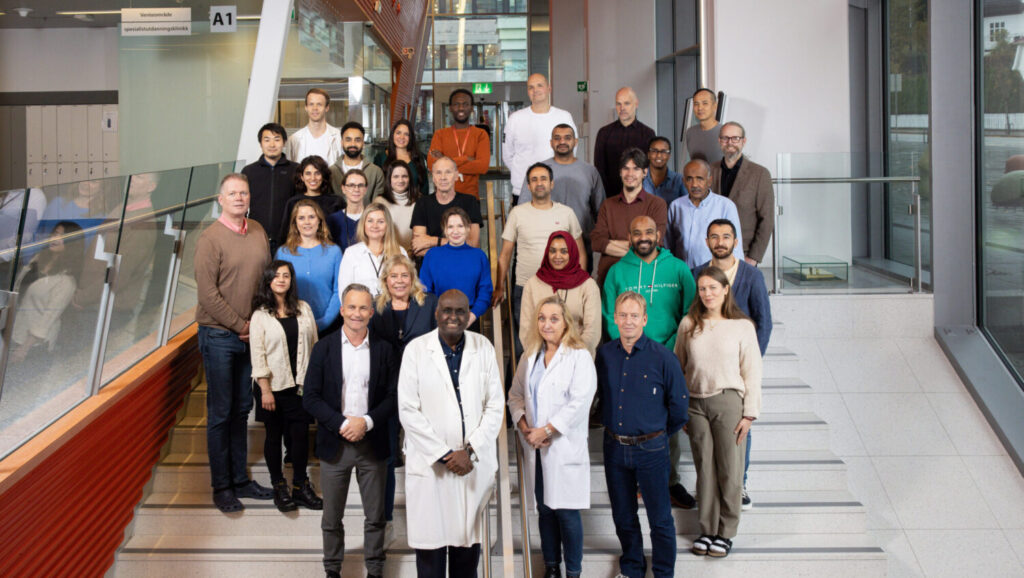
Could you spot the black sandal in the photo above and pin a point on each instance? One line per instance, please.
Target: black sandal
(720, 547)
(701, 545)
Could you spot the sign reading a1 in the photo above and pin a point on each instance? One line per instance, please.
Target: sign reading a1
(223, 18)
(581, 86)
(482, 88)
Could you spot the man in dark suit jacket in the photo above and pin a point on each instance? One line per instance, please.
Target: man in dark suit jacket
(350, 389)
(749, 186)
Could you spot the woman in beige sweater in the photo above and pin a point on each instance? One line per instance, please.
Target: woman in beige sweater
(560, 274)
(282, 332)
(717, 348)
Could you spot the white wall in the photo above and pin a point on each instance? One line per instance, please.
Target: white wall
(785, 66)
(58, 59)
(620, 41)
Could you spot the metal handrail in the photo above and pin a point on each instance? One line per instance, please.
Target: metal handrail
(915, 209)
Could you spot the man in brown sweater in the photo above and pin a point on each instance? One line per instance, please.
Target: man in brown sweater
(610, 236)
(230, 257)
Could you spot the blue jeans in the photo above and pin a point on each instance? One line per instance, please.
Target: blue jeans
(645, 466)
(559, 529)
(746, 459)
(228, 403)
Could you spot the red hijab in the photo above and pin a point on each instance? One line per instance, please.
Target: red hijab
(572, 275)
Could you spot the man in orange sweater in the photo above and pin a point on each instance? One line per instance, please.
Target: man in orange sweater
(467, 145)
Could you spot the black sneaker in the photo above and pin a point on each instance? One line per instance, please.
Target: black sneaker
(283, 497)
(681, 498)
(747, 504)
(306, 497)
(253, 490)
(552, 572)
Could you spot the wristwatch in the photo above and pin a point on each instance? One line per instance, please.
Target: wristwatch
(547, 431)
(471, 453)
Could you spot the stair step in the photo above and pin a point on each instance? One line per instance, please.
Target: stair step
(786, 394)
(780, 362)
(776, 554)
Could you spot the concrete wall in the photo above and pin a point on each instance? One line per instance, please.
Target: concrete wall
(58, 59)
(618, 37)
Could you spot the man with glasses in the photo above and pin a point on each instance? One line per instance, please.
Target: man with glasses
(661, 180)
(644, 401)
(749, 186)
(467, 145)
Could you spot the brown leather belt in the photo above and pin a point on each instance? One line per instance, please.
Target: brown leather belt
(634, 440)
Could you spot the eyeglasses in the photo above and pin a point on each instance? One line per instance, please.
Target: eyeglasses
(659, 152)
(731, 139)
(359, 186)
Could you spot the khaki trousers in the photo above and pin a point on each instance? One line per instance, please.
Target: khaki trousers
(719, 461)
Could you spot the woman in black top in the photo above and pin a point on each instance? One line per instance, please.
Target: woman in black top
(312, 181)
(402, 146)
(405, 311)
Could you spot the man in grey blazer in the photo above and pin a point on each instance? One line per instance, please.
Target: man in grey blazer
(749, 186)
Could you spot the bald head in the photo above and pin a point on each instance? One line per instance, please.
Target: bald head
(626, 103)
(452, 316)
(644, 237)
(539, 91)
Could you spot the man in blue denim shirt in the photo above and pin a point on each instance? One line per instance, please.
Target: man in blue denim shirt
(637, 427)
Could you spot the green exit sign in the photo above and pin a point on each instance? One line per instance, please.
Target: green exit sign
(482, 88)
(581, 86)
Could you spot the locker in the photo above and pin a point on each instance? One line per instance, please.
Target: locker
(79, 134)
(110, 170)
(34, 175)
(34, 134)
(94, 130)
(50, 175)
(95, 171)
(79, 172)
(110, 144)
(6, 162)
(49, 125)
(64, 145)
(65, 173)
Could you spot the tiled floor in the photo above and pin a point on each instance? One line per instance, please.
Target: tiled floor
(943, 498)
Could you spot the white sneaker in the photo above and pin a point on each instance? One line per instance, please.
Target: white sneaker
(746, 504)
(389, 535)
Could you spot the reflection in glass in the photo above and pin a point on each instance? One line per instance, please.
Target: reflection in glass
(1001, 190)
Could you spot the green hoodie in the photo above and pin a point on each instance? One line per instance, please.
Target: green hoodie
(667, 285)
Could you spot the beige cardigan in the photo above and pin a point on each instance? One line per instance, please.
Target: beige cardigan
(583, 302)
(269, 348)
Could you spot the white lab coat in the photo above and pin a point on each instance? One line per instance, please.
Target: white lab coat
(443, 509)
(564, 397)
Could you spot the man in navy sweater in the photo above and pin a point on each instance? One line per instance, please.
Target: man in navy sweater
(748, 291)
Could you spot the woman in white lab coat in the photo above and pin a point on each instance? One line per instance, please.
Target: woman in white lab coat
(550, 402)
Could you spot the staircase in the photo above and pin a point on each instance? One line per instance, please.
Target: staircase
(804, 520)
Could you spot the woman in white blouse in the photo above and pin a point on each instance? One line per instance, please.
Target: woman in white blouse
(282, 332)
(378, 240)
(550, 403)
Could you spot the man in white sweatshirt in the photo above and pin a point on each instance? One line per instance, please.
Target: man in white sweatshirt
(317, 137)
(528, 131)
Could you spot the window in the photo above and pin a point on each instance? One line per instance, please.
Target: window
(994, 30)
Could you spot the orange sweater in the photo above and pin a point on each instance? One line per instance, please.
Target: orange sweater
(469, 142)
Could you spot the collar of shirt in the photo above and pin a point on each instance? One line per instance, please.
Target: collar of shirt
(282, 161)
(240, 230)
(448, 350)
(709, 201)
(365, 344)
(735, 168)
(641, 196)
(640, 344)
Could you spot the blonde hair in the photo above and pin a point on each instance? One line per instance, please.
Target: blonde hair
(570, 337)
(418, 292)
(294, 238)
(390, 240)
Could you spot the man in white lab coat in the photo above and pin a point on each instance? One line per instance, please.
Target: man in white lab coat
(451, 404)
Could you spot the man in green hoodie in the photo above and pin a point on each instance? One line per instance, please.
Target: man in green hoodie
(650, 270)
(667, 285)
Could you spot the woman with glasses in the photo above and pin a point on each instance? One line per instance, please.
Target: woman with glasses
(402, 147)
(281, 336)
(550, 403)
(717, 349)
(343, 224)
(316, 260)
(312, 181)
(377, 242)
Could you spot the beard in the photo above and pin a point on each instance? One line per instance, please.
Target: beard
(353, 152)
(644, 248)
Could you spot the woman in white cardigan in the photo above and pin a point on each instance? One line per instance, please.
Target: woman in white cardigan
(378, 241)
(282, 332)
(550, 402)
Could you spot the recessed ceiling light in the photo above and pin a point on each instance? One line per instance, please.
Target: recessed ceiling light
(88, 12)
(23, 12)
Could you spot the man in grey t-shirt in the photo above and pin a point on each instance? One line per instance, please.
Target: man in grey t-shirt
(576, 183)
(701, 140)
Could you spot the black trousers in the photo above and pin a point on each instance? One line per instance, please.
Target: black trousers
(461, 562)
